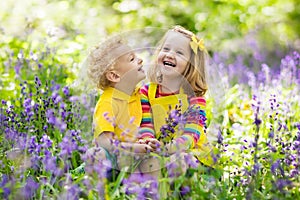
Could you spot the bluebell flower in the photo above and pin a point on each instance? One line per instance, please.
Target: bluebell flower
(74, 98)
(18, 67)
(50, 116)
(220, 137)
(46, 141)
(172, 168)
(142, 186)
(282, 183)
(184, 190)
(271, 134)
(276, 166)
(67, 146)
(66, 91)
(71, 191)
(49, 163)
(37, 81)
(191, 161)
(55, 87)
(33, 146)
(57, 99)
(30, 188)
(256, 168)
(3, 184)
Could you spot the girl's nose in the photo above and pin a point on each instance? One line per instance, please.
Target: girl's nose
(169, 54)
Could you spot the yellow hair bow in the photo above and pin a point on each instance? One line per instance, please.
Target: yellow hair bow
(195, 44)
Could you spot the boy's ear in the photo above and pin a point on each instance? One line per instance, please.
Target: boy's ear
(113, 76)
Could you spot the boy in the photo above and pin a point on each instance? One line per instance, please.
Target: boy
(116, 70)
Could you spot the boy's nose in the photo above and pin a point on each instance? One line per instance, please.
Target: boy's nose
(140, 61)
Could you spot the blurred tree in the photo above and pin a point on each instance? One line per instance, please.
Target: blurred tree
(267, 27)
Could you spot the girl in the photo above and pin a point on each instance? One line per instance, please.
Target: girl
(177, 79)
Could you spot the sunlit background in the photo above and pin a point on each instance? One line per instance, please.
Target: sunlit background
(46, 118)
(236, 32)
(233, 26)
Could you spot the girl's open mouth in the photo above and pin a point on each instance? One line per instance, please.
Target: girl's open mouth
(167, 63)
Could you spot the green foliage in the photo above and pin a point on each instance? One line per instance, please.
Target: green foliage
(43, 44)
(226, 25)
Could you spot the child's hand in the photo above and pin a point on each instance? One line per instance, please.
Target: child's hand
(154, 143)
(142, 148)
(141, 141)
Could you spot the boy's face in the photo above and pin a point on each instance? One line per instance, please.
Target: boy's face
(128, 65)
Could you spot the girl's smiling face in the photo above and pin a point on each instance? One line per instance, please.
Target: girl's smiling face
(174, 54)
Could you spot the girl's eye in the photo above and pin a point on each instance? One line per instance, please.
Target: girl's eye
(180, 52)
(166, 48)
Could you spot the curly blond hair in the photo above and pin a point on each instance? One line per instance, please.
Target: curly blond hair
(195, 70)
(100, 60)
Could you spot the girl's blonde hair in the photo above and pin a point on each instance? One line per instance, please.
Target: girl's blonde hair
(100, 60)
(195, 70)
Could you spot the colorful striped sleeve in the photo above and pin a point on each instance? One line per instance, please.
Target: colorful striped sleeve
(146, 127)
(196, 119)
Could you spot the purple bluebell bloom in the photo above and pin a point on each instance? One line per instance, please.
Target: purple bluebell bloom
(142, 185)
(66, 91)
(184, 190)
(37, 81)
(282, 183)
(74, 98)
(55, 87)
(71, 191)
(30, 188)
(220, 137)
(18, 67)
(191, 161)
(276, 166)
(3, 184)
(256, 168)
(67, 146)
(46, 141)
(172, 168)
(34, 147)
(49, 162)
(50, 116)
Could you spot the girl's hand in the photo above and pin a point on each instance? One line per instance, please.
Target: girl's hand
(141, 141)
(154, 143)
(142, 148)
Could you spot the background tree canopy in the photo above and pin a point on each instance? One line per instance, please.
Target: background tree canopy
(46, 122)
(258, 29)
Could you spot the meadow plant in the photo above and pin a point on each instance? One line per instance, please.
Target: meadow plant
(46, 130)
(40, 137)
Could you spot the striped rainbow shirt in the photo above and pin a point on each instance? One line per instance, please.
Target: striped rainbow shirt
(193, 128)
